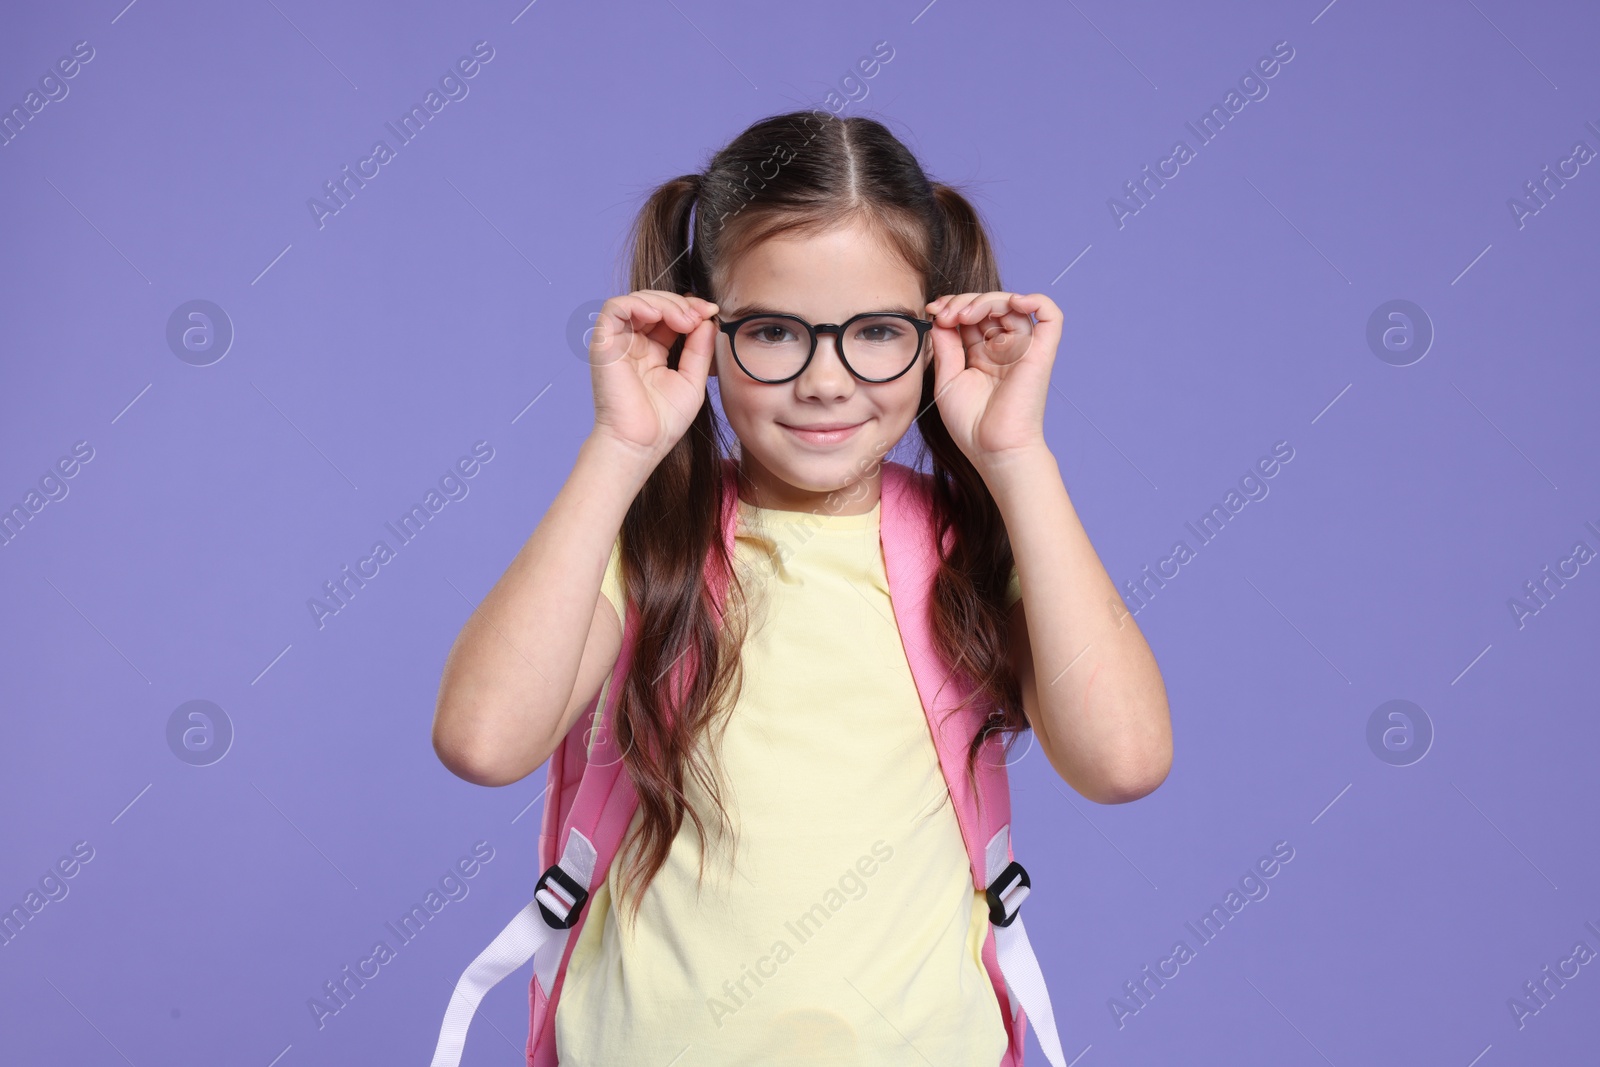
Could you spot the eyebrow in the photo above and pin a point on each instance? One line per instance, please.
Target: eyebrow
(768, 309)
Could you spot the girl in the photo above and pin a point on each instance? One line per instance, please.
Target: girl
(837, 295)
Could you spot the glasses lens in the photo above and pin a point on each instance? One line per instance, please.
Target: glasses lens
(772, 347)
(880, 346)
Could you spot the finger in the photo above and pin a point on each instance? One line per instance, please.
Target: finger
(1047, 331)
(684, 315)
(995, 330)
(949, 321)
(1009, 333)
(650, 325)
(695, 362)
(949, 359)
(669, 315)
(1002, 308)
(983, 305)
(662, 318)
(984, 315)
(634, 308)
(619, 320)
(1040, 306)
(663, 335)
(949, 314)
(701, 308)
(1017, 316)
(979, 339)
(974, 312)
(674, 307)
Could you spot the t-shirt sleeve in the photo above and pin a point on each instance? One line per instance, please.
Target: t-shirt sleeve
(1013, 589)
(611, 584)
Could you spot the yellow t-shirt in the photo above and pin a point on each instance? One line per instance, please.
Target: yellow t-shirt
(850, 931)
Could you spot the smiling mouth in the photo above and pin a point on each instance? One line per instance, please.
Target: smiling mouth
(823, 436)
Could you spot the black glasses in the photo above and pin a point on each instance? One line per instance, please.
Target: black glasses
(875, 346)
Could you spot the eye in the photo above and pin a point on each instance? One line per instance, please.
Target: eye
(769, 332)
(880, 331)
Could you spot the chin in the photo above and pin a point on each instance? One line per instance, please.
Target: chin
(826, 474)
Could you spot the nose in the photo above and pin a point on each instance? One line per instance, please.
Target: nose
(826, 376)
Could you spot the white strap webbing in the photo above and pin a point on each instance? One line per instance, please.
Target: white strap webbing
(1018, 964)
(523, 937)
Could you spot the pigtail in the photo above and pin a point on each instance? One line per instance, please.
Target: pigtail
(671, 529)
(971, 625)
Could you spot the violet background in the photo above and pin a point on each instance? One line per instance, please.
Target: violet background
(1229, 314)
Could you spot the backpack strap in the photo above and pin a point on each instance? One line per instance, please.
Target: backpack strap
(590, 800)
(1007, 889)
(557, 900)
(911, 559)
(580, 794)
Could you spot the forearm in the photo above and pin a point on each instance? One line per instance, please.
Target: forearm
(510, 674)
(1100, 707)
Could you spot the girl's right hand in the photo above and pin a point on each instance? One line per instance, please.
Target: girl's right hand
(639, 400)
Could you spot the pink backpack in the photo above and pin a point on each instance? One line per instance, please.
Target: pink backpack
(588, 807)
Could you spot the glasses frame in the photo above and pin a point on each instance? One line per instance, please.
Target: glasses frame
(837, 330)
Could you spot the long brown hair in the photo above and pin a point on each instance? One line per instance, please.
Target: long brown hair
(803, 172)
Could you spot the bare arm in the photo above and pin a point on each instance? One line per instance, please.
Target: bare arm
(1097, 705)
(1091, 689)
(535, 651)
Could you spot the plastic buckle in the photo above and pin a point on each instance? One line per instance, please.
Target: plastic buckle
(564, 887)
(1003, 886)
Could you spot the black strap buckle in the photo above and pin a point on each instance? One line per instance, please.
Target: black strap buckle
(564, 887)
(1007, 882)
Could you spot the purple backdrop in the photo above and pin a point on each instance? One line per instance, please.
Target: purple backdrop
(1375, 260)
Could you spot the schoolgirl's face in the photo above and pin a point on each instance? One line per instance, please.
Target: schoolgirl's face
(822, 278)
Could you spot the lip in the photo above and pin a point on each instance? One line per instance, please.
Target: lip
(834, 434)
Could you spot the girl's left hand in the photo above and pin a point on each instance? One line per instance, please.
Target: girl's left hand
(992, 369)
